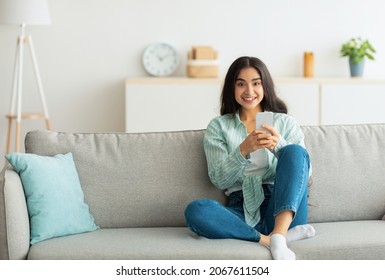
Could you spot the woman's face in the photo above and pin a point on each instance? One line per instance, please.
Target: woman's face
(249, 90)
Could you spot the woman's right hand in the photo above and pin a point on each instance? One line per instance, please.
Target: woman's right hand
(257, 139)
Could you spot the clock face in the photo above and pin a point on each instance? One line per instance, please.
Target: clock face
(160, 59)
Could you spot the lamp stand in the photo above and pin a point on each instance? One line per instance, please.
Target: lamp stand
(15, 111)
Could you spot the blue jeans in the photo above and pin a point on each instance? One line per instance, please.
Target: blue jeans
(211, 219)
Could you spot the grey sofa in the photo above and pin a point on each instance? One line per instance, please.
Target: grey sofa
(138, 185)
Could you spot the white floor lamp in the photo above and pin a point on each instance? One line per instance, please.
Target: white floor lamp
(23, 13)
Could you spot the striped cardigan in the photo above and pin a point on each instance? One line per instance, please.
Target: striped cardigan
(226, 165)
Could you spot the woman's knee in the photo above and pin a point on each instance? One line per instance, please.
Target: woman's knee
(295, 150)
(198, 210)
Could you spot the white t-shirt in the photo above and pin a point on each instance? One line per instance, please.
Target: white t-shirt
(259, 163)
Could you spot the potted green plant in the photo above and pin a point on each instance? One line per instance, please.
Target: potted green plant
(357, 49)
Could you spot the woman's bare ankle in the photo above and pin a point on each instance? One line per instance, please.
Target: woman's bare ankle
(265, 240)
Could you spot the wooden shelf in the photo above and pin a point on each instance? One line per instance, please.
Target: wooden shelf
(172, 80)
(27, 116)
(278, 80)
(302, 80)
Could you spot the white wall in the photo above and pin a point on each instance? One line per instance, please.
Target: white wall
(93, 45)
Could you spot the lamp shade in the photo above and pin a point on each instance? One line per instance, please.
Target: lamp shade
(29, 12)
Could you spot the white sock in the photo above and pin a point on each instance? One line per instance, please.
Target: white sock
(279, 249)
(300, 232)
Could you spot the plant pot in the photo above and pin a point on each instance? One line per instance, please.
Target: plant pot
(356, 69)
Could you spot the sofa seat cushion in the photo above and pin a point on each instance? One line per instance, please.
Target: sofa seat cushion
(343, 241)
(339, 240)
(145, 243)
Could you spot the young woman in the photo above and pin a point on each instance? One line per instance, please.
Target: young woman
(264, 173)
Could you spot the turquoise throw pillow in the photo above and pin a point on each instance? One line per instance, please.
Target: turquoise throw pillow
(54, 196)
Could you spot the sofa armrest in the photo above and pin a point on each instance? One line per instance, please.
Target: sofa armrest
(14, 220)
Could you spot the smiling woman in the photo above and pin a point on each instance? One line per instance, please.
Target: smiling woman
(263, 171)
(270, 101)
(248, 90)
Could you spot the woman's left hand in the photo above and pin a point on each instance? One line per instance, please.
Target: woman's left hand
(271, 139)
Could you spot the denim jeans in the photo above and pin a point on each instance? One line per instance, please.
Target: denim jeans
(211, 219)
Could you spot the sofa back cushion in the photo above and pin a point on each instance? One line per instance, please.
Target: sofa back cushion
(348, 172)
(147, 179)
(134, 180)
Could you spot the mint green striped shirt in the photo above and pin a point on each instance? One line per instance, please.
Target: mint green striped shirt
(226, 165)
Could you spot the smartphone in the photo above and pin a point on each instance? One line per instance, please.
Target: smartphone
(264, 118)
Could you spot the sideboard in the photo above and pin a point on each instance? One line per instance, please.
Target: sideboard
(180, 103)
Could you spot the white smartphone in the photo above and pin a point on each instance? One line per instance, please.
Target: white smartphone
(264, 118)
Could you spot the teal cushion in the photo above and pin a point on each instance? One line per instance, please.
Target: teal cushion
(54, 196)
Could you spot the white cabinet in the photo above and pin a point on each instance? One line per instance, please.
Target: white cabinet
(329, 101)
(173, 104)
(358, 103)
(302, 100)
(170, 104)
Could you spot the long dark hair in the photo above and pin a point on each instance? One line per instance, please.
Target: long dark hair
(270, 101)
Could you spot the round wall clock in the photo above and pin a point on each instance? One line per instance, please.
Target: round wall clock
(160, 59)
